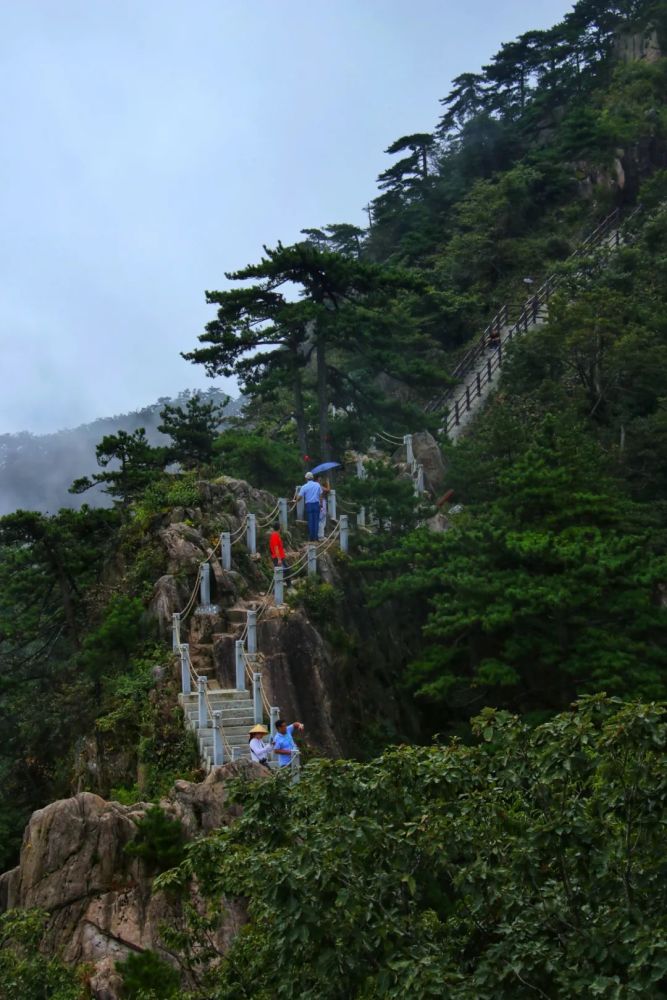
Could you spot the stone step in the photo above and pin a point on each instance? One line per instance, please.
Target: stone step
(225, 694)
(237, 727)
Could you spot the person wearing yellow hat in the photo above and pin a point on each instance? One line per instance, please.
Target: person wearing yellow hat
(259, 750)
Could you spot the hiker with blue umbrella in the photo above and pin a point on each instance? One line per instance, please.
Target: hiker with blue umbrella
(312, 493)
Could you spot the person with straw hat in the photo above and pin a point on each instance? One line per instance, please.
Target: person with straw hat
(259, 750)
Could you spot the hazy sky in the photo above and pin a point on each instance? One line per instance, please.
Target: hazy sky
(150, 145)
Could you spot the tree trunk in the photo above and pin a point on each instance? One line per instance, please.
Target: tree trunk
(322, 400)
(65, 592)
(299, 413)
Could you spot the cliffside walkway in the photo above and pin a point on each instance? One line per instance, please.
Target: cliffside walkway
(221, 717)
(475, 373)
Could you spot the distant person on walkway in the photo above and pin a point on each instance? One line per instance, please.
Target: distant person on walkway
(283, 741)
(322, 524)
(276, 547)
(311, 491)
(259, 750)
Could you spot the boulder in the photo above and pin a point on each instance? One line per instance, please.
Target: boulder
(428, 454)
(100, 901)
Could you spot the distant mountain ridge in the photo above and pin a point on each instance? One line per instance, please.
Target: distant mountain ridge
(36, 470)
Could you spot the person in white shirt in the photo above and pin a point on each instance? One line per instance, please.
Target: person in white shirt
(259, 750)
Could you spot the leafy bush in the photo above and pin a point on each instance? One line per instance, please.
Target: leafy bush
(26, 973)
(266, 463)
(528, 864)
(148, 977)
(159, 841)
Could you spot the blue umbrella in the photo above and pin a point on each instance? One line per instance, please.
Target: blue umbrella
(324, 467)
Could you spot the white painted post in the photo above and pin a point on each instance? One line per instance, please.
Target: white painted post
(240, 665)
(361, 517)
(175, 631)
(409, 453)
(257, 698)
(282, 513)
(331, 503)
(252, 631)
(186, 686)
(251, 534)
(419, 480)
(361, 472)
(278, 585)
(300, 506)
(295, 767)
(202, 720)
(312, 560)
(226, 549)
(274, 715)
(205, 584)
(218, 746)
(344, 533)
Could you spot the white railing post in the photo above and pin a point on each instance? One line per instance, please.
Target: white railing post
(409, 453)
(226, 549)
(218, 747)
(257, 698)
(419, 480)
(202, 712)
(186, 685)
(361, 517)
(331, 503)
(300, 506)
(282, 513)
(251, 534)
(205, 584)
(176, 631)
(361, 472)
(240, 665)
(344, 533)
(274, 715)
(312, 560)
(278, 585)
(295, 767)
(252, 632)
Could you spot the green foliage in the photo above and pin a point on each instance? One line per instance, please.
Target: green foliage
(166, 493)
(193, 431)
(268, 464)
(320, 600)
(146, 976)
(130, 462)
(543, 591)
(530, 863)
(26, 973)
(387, 497)
(159, 842)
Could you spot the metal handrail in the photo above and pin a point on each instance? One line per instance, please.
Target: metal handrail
(493, 331)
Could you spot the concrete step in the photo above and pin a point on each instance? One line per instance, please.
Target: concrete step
(239, 731)
(224, 694)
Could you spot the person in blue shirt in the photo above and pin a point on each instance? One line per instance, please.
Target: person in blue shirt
(283, 742)
(311, 491)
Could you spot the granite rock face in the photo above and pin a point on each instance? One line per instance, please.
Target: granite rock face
(100, 901)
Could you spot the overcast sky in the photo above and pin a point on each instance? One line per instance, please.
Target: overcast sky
(150, 145)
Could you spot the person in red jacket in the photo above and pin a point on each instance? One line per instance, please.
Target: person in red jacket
(276, 547)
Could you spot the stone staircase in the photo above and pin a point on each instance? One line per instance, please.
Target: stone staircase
(476, 372)
(236, 708)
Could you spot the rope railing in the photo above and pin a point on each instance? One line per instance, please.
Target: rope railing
(194, 681)
(528, 316)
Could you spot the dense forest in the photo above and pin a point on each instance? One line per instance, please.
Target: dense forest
(515, 851)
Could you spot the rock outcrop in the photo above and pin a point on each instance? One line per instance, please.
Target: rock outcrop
(100, 901)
